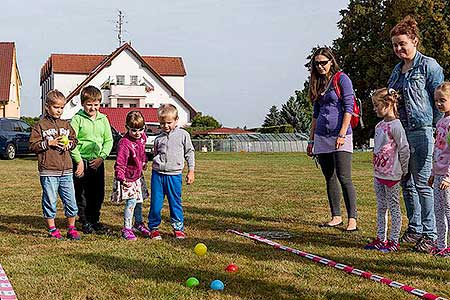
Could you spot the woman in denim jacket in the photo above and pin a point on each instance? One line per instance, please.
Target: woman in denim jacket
(415, 78)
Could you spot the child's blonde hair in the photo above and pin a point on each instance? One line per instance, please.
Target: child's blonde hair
(389, 97)
(54, 95)
(167, 110)
(135, 119)
(90, 93)
(444, 88)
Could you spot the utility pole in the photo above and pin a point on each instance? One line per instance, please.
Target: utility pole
(119, 25)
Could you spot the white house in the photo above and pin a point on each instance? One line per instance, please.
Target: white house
(126, 79)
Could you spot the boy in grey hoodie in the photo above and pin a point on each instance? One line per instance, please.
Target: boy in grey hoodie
(171, 148)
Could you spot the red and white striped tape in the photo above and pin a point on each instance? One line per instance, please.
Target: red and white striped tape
(6, 290)
(348, 269)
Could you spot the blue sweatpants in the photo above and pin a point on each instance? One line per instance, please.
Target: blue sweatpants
(166, 185)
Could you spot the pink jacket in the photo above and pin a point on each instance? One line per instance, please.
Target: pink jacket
(441, 154)
(131, 158)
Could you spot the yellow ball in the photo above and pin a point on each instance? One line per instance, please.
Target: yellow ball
(65, 140)
(200, 249)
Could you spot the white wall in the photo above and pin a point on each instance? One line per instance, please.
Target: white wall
(176, 82)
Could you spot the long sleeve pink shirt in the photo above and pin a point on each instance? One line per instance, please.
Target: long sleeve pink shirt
(441, 154)
(391, 151)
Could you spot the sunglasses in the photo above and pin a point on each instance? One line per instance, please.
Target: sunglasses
(322, 63)
(135, 130)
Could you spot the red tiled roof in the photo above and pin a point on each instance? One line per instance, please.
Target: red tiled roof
(117, 116)
(6, 61)
(86, 63)
(223, 130)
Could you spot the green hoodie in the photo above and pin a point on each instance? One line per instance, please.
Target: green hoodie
(94, 136)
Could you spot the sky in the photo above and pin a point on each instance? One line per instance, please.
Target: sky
(241, 56)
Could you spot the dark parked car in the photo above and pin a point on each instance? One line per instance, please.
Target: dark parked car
(116, 138)
(14, 137)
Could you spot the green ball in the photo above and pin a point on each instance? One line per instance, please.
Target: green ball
(192, 281)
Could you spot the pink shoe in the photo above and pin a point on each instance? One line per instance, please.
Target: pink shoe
(142, 229)
(179, 234)
(72, 234)
(391, 246)
(55, 234)
(376, 244)
(128, 234)
(442, 253)
(154, 235)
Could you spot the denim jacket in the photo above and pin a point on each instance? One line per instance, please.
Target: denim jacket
(418, 91)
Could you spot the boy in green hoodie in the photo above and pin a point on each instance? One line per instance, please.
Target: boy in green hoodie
(95, 141)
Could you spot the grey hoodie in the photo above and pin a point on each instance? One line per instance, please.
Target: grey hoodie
(171, 149)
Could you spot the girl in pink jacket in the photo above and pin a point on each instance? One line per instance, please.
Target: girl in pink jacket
(128, 186)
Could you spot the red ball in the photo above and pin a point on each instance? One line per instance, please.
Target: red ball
(231, 268)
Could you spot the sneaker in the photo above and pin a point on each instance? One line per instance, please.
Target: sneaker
(390, 246)
(55, 234)
(72, 234)
(410, 237)
(99, 228)
(441, 253)
(128, 234)
(142, 229)
(376, 244)
(154, 234)
(87, 228)
(425, 245)
(179, 234)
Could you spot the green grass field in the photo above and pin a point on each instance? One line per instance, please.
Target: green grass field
(247, 192)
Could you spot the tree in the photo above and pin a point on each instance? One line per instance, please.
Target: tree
(297, 111)
(30, 120)
(205, 122)
(364, 49)
(272, 118)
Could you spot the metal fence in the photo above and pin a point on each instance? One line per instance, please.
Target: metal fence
(230, 145)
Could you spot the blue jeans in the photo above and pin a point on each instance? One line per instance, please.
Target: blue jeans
(417, 194)
(170, 186)
(51, 187)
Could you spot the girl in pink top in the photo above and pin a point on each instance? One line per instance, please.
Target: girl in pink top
(130, 163)
(440, 173)
(390, 164)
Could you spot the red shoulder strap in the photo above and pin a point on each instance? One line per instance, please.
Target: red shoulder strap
(336, 87)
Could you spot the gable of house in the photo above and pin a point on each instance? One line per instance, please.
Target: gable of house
(10, 81)
(71, 72)
(6, 65)
(86, 63)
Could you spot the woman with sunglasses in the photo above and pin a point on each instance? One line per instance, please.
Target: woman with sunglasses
(130, 163)
(416, 77)
(331, 136)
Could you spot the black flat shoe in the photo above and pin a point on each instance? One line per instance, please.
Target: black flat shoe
(351, 230)
(328, 225)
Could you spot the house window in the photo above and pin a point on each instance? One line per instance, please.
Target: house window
(120, 79)
(148, 105)
(133, 80)
(120, 105)
(104, 105)
(133, 105)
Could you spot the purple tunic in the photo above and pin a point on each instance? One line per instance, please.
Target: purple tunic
(329, 113)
